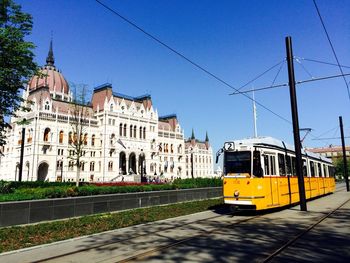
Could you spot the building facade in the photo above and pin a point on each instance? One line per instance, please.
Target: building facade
(199, 160)
(332, 151)
(123, 137)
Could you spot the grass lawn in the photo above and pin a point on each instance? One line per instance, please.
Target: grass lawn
(12, 238)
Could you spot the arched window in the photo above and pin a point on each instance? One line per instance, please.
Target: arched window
(135, 131)
(46, 134)
(47, 106)
(75, 138)
(60, 139)
(144, 132)
(172, 148)
(125, 130)
(110, 166)
(93, 140)
(70, 137)
(92, 166)
(140, 132)
(112, 139)
(121, 129)
(130, 131)
(111, 107)
(160, 147)
(85, 138)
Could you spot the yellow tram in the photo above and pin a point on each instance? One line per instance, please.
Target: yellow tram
(259, 173)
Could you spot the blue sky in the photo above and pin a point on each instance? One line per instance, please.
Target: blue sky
(235, 40)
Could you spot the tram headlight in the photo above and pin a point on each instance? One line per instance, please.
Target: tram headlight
(236, 193)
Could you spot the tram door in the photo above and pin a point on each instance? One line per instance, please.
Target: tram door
(272, 184)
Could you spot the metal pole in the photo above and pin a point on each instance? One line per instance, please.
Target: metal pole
(192, 175)
(21, 157)
(344, 154)
(294, 109)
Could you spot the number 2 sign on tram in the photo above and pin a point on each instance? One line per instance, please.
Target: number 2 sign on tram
(229, 146)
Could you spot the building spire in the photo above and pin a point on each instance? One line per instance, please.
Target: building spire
(50, 61)
(192, 136)
(206, 137)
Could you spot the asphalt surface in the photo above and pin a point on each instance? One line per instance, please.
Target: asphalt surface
(214, 236)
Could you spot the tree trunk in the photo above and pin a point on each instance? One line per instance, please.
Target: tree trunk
(78, 176)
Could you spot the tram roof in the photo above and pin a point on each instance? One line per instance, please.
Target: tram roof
(270, 141)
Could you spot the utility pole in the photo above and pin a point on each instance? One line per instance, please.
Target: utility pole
(344, 153)
(294, 109)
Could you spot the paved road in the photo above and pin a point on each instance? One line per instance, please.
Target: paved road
(213, 237)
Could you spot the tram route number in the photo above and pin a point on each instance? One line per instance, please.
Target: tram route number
(229, 146)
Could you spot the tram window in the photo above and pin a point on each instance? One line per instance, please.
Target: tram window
(288, 165)
(293, 166)
(331, 170)
(257, 170)
(237, 162)
(281, 164)
(266, 165)
(324, 170)
(312, 168)
(304, 168)
(319, 170)
(273, 165)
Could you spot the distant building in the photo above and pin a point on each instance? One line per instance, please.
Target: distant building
(333, 152)
(199, 157)
(124, 137)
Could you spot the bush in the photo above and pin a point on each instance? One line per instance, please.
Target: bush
(6, 188)
(15, 191)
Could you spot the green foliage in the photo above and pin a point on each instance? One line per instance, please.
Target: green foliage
(339, 166)
(198, 182)
(6, 187)
(16, 191)
(16, 59)
(12, 238)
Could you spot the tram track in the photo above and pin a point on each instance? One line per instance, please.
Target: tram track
(301, 234)
(82, 250)
(144, 255)
(179, 242)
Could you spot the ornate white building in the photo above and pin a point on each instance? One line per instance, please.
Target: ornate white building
(122, 134)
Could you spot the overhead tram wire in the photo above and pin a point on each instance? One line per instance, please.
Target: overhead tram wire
(286, 84)
(273, 82)
(187, 59)
(304, 68)
(330, 42)
(322, 62)
(260, 75)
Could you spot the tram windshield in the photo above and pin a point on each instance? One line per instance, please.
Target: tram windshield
(237, 162)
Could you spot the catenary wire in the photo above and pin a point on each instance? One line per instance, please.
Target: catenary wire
(286, 84)
(330, 42)
(187, 59)
(278, 72)
(304, 68)
(322, 62)
(260, 75)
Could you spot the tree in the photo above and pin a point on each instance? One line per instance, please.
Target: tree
(79, 120)
(339, 166)
(16, 60)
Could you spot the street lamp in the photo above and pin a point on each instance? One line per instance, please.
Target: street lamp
(191, 151)
(62, 170)
(142, 155)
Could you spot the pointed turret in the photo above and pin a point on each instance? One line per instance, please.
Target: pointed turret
(50, 60)
(206, 140)
(192, 136)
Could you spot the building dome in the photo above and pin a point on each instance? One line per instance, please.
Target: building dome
(50, 77)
